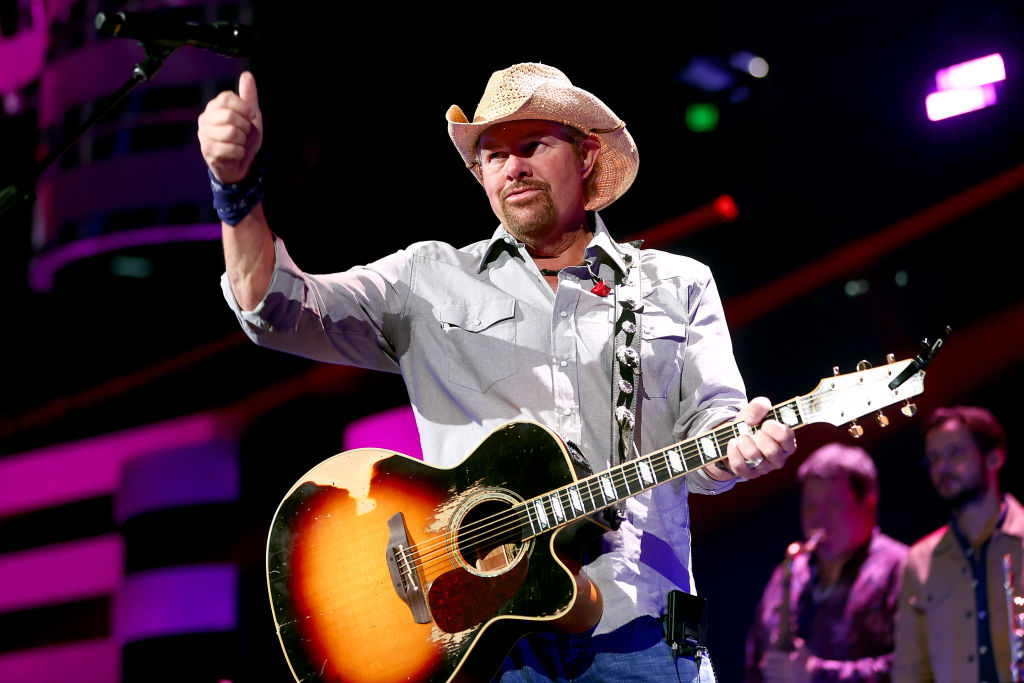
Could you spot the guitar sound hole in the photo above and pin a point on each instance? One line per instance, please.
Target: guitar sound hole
(489, 538)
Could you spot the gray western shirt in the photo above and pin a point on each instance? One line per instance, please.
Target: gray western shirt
(480, 339)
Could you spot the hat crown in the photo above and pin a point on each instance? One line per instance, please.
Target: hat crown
(507, 89)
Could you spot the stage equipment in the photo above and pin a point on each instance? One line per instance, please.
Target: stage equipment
(1015, 622)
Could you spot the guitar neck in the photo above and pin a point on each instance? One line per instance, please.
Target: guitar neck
(594, 493)
(836, 400)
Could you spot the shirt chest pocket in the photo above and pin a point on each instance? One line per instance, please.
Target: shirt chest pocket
(481, 341)
(936, 599)
(663, 341)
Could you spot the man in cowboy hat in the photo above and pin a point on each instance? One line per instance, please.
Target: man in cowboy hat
(521, 326)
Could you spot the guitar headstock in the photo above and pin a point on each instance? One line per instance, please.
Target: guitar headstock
(845, 398)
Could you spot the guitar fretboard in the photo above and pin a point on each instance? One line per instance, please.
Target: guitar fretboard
(562, 506)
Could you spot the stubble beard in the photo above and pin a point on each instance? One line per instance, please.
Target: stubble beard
(532, 218)
(969, 492)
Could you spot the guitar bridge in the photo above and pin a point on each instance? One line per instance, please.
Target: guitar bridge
(404, 576)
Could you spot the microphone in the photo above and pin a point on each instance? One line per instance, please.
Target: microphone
(231, 40)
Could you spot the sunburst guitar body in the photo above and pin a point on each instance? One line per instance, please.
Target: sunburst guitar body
(382, 568)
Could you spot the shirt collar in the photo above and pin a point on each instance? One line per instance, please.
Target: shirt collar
(602, 243)
(850, 568)
(501, 240)
(1010, 521)
(996, 522)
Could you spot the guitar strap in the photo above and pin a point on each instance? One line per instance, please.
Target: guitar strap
(627, 392)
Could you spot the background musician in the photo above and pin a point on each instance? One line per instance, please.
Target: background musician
(952, 611)
(838, 622)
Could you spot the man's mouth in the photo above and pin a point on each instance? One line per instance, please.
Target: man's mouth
(522, 192)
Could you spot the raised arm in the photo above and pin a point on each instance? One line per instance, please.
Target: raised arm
(230, 135)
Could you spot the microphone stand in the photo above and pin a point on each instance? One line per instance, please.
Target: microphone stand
(24, 190)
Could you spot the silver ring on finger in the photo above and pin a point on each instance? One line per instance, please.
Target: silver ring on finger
(754, 463)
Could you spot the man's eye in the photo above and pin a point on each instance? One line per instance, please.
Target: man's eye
(494, 157)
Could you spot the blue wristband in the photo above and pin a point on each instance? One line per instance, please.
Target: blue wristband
(235, 201)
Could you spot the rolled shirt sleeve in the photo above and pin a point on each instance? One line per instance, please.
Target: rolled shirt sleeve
(338, 318)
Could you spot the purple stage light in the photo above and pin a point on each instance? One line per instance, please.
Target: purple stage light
(394, 429)
(57, 475)
(707, 74)
(177, 600)
(89, 661)
(971, 74)
(62, 572)
(181, 476)
(948, 103)
(23, 54)
(965, 87)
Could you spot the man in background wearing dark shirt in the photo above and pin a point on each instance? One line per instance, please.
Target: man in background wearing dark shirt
(842, 582)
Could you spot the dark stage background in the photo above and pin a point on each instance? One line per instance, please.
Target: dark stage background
(862, 228)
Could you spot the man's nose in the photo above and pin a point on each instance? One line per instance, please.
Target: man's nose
(815, 517)
(517, 167)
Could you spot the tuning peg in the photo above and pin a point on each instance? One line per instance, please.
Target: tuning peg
(835, 370)
(856, 431)
(881, 419)
(890, 358)
(909, 409)
(863, 365)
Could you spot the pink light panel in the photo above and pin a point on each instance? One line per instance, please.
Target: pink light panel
(63, 572)
(92, 661)
(60, 474)
(177, 600)
(393, 429)
(24, 53)
(971, 74)
(965, 87)
(949, 103)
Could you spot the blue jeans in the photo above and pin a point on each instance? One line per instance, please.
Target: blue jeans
(634, 652)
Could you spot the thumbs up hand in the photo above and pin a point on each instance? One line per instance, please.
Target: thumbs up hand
(231, 131)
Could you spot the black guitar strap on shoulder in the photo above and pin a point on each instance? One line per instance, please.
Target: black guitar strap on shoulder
(627, 393)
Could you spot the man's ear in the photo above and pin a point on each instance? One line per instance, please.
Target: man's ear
(995, 458)
(590, 149)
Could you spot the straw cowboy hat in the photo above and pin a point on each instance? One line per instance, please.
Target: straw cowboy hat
(537, 91)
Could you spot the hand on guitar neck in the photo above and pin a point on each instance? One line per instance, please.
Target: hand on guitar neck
(758, 453)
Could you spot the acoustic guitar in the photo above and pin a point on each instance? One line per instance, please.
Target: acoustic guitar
(383, 568)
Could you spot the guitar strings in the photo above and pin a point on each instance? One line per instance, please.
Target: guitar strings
(436, 552)
(626, 474)
(503, 527)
